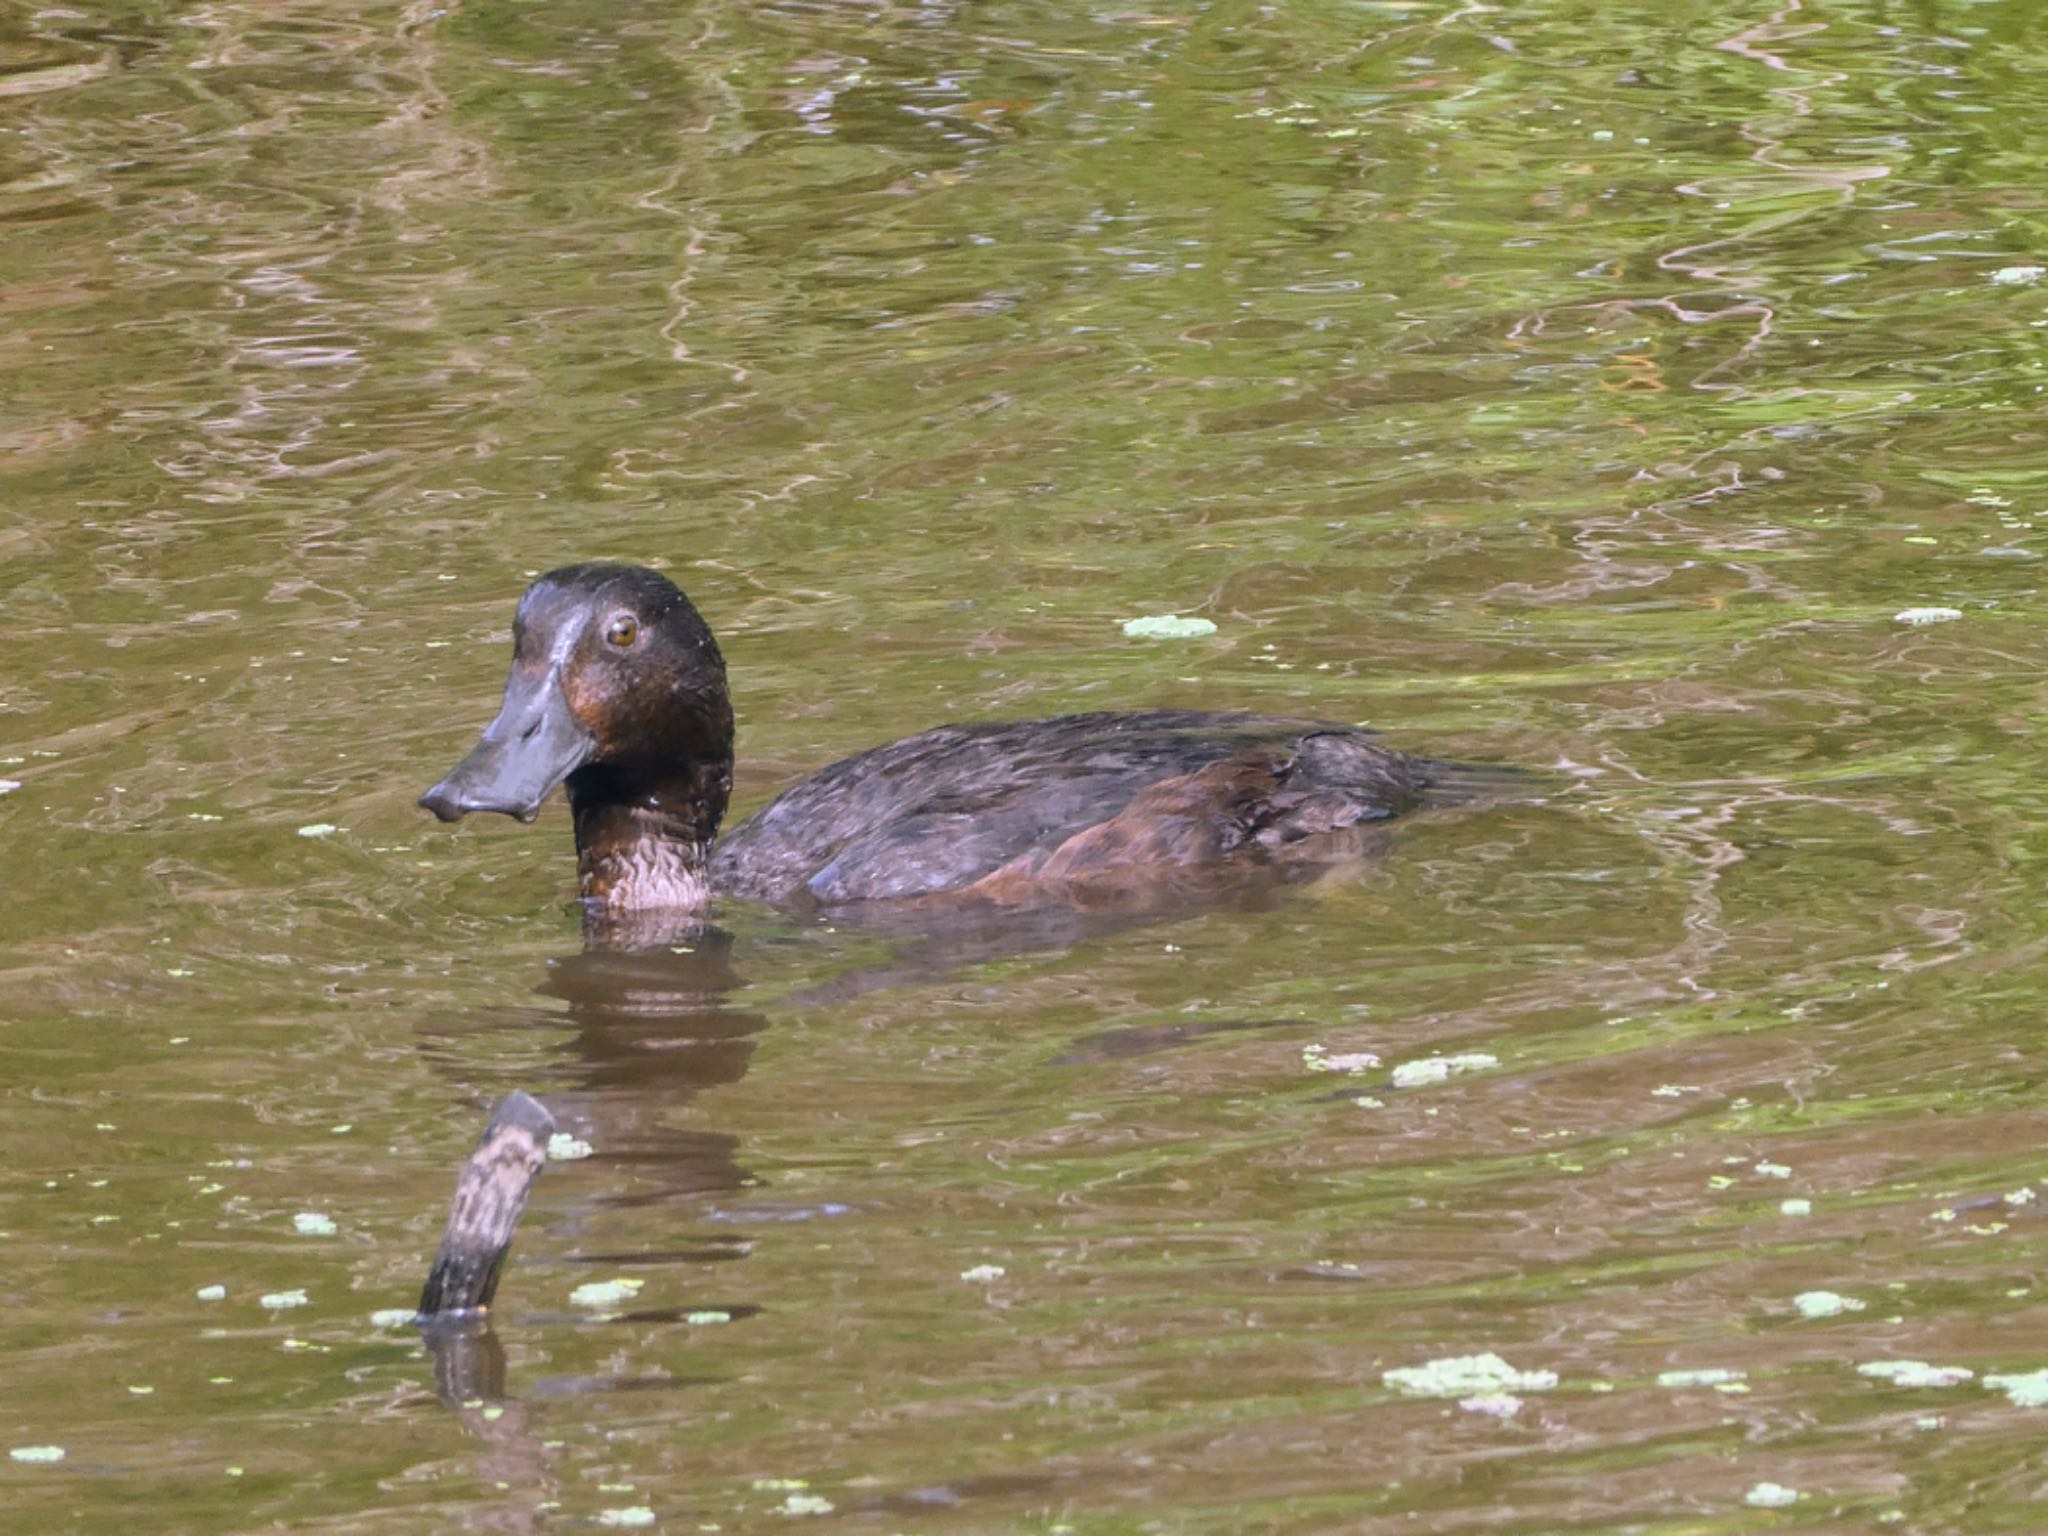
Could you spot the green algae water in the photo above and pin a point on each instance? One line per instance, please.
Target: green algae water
(1652, 396)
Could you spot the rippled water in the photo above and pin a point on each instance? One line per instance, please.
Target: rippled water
(1584, 387)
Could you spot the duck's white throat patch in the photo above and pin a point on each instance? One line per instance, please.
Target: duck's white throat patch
(649, 873)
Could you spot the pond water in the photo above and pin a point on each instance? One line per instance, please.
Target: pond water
(1604, 389)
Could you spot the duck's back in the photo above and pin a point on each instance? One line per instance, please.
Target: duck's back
(1016, 808)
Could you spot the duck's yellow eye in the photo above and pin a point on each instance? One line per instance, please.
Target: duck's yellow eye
(622, 630)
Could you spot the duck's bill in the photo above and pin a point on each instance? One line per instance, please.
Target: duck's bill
(532, 746)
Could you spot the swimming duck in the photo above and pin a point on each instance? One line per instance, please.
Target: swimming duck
(618, 692)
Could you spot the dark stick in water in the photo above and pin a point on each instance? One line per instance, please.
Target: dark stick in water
(490, 1197)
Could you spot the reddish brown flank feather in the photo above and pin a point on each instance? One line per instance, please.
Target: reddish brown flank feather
(1196, 818)
(1248, 809)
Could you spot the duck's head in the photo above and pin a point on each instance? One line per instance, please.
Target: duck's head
(616, 688)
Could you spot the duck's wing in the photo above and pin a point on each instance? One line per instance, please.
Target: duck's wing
(1070, 798)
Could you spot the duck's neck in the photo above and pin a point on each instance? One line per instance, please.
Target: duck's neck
(642, 847)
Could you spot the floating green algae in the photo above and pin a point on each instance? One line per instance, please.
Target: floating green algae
(1467, 1376)
(1317, 1059)
(1825, 1304)
(1915, 1373)
(1167, 626)
(2026, 1390)
(1435, 1069)
(1707, 1376)
(605, 1293)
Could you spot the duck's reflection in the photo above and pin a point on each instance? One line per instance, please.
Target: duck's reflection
(648, 1030)
(650, 1027)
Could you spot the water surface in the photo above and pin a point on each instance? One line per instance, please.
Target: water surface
(1583, 387)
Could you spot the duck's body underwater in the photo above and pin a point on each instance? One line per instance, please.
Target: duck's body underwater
(618, 691)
